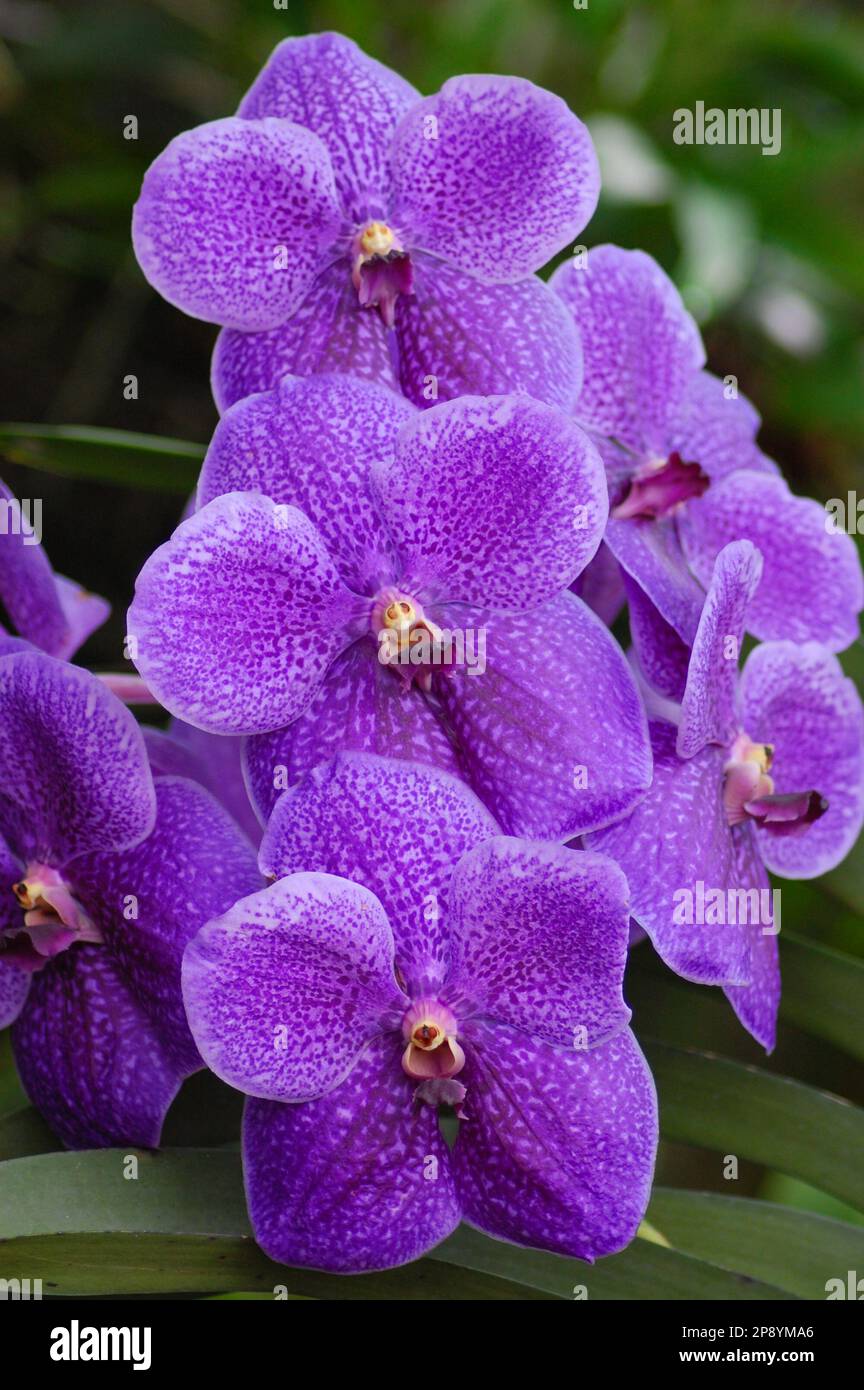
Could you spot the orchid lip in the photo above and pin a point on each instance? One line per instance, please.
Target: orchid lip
(381, 269)
(53, 920)
(432, 1052)
(659, 488)
(749, 793)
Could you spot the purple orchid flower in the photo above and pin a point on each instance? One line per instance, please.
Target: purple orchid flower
(763, 772)
(212, 760)
(347, 548)
(340, 222)
(107, 873)
(412, 956)
(45, 609)
(686, 476)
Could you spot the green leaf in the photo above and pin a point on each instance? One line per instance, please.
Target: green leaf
(23, 1132)
(735, 1109)
(794, 1250)
(12, 1095)
(181, 1226)
(823, 993)
(106, 456)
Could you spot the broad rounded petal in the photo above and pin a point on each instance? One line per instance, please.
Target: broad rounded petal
(287, 988)
(353, 103)
(311, 444)
(73, 766)
(641, 348)
(661, 656)
(215, 761)
(236, 219)
(14, 984)
(238, 616)
(361, 707)
(650, 552)
(83, 611)
(798, 700)
(708, 713)
(495, 500)
(557, 1149)
(329, 332)
(356, 1181)
(811, 588)
(552, 734)
(89, 1056)
(494, 175)
(756, 1004)
(539, 937)
(458, 337)
(150, 901)
(675, 840)
(399, 829)
(716, 427)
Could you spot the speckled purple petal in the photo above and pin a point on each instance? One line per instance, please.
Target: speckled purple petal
(650, 552)
(329, 332)
(14, 984)
(494, 500)
(361, 707)
(238, 616)
(287, 988)
(236, 219)
(73, 766)
(353, 103)
(661, 656)
(557, 1151)
(812, 587)
(756, 1004)
(494, 175)
(356, 1181)
(708, 713)
(552, 735)
(539, 940)
(83, 611)
(150, 901)
(674, 839)
(458, 337)
(640, 346)
(399, 829)
(213, 760)
(601, 586)
(716, 429)
(311, 444)
(89, 1056)
(798, 700)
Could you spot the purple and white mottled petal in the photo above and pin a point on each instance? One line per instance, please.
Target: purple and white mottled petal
(558, 1147)
(89, 1056)
(239, 615)
(351, 102)
(361, 707)
(236, 219)
(83, 611)
(28, 587)
(798, 700)
(509, 179)
(149, 901)
(311, 444)
(329, 332)
(288, 987)
(14, 984)
(601, 586)
(494, 500)
(708, 713)
(661, 656)
(539, 937)
(552, 734)
(812, 588)
(756, 1004)
(215, 761)
(676, 838)
(342, 1183)
(73, 766)
(716, 430)
(399, 829)
(458, 337)
(650, 552)
(640, 346)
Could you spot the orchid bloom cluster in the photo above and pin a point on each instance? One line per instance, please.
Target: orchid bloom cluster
(383, 870)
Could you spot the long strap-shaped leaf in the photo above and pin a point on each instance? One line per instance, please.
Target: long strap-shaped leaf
(106, 456)
(78, 1223)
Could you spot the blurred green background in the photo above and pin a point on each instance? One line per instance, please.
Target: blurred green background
(769, 253)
